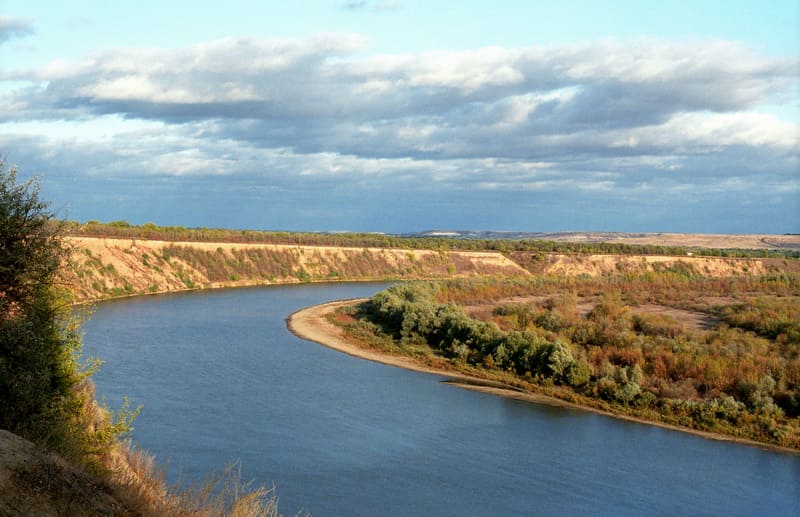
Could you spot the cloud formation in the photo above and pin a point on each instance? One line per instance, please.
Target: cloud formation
(549, 89)
(11, 27)
(373, 5)
(616, 119)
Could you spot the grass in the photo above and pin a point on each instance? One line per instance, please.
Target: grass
(139, 484)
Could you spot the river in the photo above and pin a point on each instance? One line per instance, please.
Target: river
(221, 379)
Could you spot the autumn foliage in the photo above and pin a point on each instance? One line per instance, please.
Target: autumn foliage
(715, 354)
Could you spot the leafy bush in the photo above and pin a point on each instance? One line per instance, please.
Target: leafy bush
(45, 390)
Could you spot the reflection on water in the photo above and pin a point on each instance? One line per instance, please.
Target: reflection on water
(221, 379)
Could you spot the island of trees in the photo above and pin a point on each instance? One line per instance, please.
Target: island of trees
(711, 354)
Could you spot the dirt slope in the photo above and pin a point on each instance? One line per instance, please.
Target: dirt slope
(604, 265)
(35, 483)
(103, 268)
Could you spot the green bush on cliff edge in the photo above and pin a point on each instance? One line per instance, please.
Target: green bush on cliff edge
(45, 393)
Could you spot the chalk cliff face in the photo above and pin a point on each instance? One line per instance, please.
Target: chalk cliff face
(105, 268)
(606, 265)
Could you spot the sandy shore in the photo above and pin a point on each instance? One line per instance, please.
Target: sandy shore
(311, 324)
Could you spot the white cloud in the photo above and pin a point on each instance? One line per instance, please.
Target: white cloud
(612, 118)
(316, 75)
(729, 129)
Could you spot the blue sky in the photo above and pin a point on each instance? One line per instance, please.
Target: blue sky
(401, 115)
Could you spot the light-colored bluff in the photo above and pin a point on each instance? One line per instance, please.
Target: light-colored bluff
(103, 268)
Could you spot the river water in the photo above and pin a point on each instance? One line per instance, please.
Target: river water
(222, 380)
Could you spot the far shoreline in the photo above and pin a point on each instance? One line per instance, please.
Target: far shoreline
(311, 324)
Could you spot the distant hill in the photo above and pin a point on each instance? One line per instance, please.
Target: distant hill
(749, 245)
(692, 240)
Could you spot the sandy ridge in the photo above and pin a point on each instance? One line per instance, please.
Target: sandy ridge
(101, 268)
(111, 267)
(312, 324)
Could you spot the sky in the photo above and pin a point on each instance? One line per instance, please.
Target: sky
(408, 115)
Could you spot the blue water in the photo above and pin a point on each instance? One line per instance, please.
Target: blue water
(222, 380)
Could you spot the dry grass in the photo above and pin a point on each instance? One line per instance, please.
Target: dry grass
(227, 494)
(140, 484)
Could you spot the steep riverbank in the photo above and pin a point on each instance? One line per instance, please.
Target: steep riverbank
(102, 268)
(106, 268)
(312, 324)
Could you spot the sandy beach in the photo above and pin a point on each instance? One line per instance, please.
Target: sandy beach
(312, 324)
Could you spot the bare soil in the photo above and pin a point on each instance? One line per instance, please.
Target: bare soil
(691, 320)
(105, 268)
(708, 240)
(35, 483)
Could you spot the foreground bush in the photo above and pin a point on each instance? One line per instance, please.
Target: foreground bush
(47, 397)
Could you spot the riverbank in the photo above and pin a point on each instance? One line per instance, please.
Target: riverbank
(312, 324)
(105, 268)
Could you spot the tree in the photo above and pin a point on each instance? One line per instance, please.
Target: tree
(559, 360)
(45, 395)
(30, 247)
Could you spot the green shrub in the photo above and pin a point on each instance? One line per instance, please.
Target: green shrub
(44, 388)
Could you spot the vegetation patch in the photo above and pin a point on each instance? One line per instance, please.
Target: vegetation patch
(738, 373)
(46, 393)
(536, 247)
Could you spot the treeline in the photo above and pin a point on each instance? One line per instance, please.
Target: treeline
(122, 229)
(587, 340)
(409, 313)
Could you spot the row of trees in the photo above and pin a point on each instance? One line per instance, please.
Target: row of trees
(122, 229)
(409, 312)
